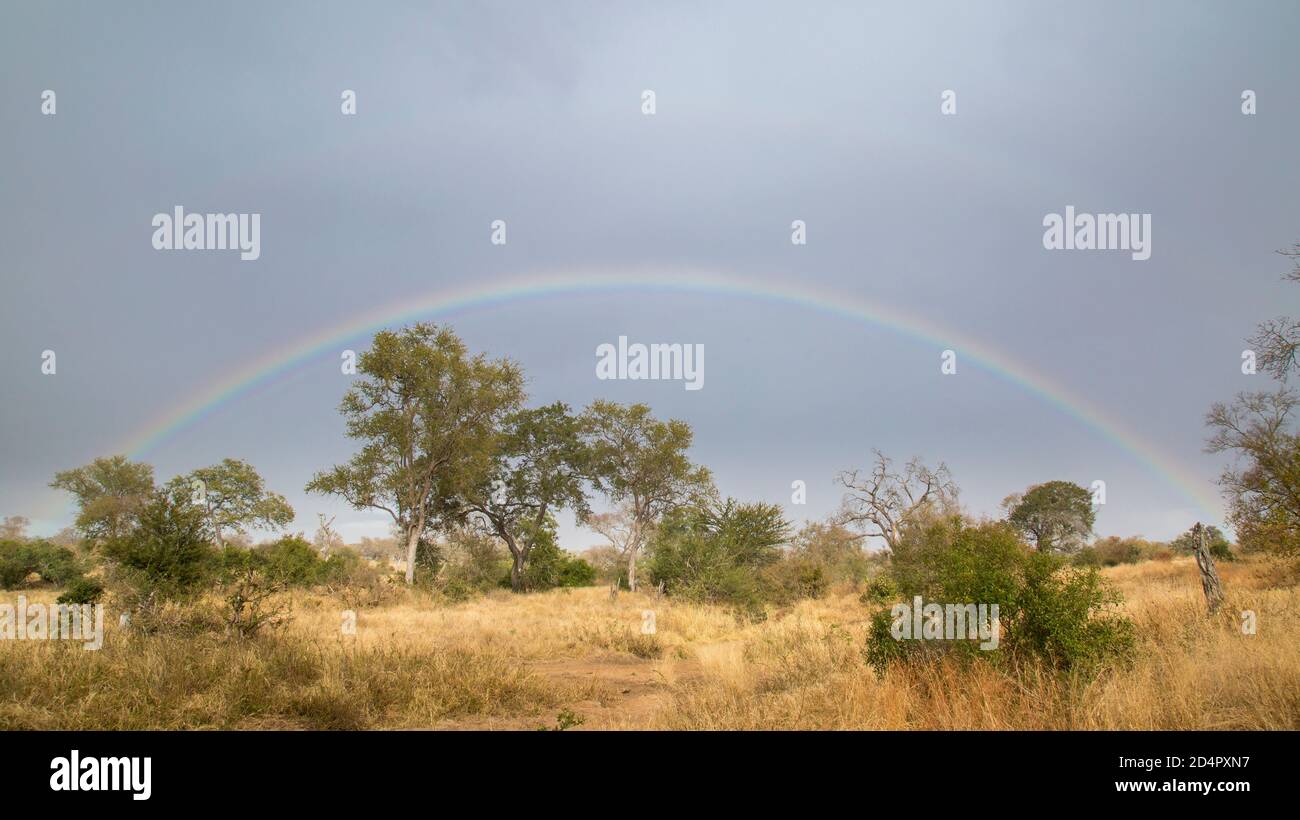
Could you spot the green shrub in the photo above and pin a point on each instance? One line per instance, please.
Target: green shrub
(292, 560)
(82, 591)
(169, 554)
(575, 572)
(880, 590)
(548, 566)
(716, 552)
(428, 556)
(1063, 616)
(54, 564)
(1047, 611)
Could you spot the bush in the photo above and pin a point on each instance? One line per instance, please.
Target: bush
(794, 578)
(252, 603)
(837, 551)
(1047, 612)
(716, 551)
(880, 590)
(291, 560)
(1087, 557)
(1113, 551)
(1062, 617)
(169, 554)
(428, 557)
(548, 566)
(82, 591)
(472, 563)
(346, 567)
(575, 572)
(54, 564)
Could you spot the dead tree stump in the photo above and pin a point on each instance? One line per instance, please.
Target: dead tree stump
(1210, 583)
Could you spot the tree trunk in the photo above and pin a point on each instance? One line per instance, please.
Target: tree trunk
(517, 574)
(631, 568)
(1210, 583)
(412, 543)
(518, 557)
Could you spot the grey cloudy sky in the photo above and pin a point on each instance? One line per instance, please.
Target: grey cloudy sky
(766, 113)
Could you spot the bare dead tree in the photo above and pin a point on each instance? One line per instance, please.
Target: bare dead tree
(327, 540)
(620, 529)
(881, 502)
(1210, 583)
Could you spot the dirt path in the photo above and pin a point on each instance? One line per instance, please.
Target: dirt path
(627, 691)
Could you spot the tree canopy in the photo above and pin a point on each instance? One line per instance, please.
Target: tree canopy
(1057, 515)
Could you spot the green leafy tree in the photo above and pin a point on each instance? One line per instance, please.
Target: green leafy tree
(640, 462)
(1058, 515)
(109, 492)
(234, 498)
(428, 416)
(538, 468)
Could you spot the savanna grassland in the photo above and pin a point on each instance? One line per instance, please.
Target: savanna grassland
(577, 658)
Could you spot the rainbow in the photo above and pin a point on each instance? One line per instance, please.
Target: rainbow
(442, 302)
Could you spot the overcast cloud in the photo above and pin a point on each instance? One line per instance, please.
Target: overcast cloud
(765, 113)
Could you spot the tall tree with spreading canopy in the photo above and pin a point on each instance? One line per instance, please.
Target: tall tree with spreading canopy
(539, 468)
(428, 415)
(1057, 515)
(640, 462)
(110, 492)
(234, 499)
(883, 502)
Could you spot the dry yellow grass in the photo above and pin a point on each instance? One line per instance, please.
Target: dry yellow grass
(507, 661)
